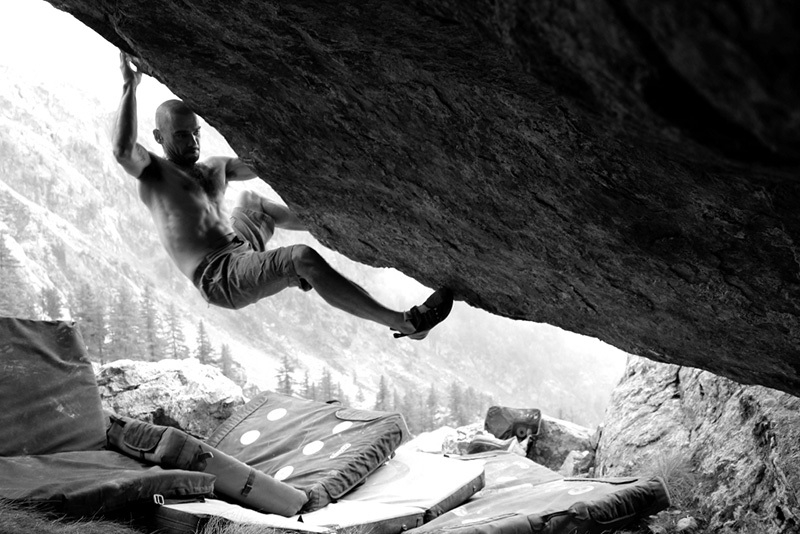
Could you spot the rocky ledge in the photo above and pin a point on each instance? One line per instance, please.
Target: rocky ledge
(621, 169)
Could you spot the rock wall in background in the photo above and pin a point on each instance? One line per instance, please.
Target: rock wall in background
(726, 449)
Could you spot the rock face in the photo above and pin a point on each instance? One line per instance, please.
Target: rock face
(621, 169)
(577, 463)
(180, 393)
(558, 439)
(727, 449)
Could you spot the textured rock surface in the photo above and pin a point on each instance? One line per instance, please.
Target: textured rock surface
(734, 448)
(623, 169)
(577, 463)
(181, 393)
(557, 439)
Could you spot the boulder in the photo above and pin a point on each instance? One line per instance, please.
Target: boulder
(184, 394)
(723, 448)
(577, 463)
(557, 439)
(625, 169)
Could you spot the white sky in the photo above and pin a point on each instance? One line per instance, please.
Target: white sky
(53, 46)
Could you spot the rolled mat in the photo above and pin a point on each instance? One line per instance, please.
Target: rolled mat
(174, 449)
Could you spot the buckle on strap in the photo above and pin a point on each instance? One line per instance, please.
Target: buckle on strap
(248, 486)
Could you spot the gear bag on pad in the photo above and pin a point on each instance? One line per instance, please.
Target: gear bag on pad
(174, 449)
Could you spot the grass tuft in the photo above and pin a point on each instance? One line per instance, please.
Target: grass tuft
(15, 519)
(678, 473)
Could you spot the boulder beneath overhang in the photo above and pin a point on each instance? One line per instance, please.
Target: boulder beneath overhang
(622, 169)
(184, 394)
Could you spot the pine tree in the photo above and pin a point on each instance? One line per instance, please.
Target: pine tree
(410, 407)
(456, 405)
(360, 396)
(341, 396)
(306, 392)
(484, 401)
(382, 398)
(123, 326)
(175, 338)
(472, 404)
(50, 300)
(285, 381)
(226, 361)
(431, 409)
(205, 352)
(326, 391)
(14, 301)
(89, 312)
(151, 333)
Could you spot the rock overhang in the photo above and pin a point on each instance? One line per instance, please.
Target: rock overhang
(618, 169)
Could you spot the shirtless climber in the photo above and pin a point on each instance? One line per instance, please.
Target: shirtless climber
(227, 259)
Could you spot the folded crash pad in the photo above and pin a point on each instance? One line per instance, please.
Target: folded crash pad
(87, 483)
(365, 517)
(431, 482)
(49, 397)
(505, 470)
(409, 490)
(324, 449)
(201, 516)
(172, 448)
(531, 501)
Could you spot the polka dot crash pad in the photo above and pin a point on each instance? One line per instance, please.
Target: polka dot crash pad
(323, 449)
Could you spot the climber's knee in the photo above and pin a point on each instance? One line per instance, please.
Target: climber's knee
(307, 262)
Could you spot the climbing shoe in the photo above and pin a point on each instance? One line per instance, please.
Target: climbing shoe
(427, 315)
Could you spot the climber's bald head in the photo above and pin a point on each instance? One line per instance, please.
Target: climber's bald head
(167, 111)
(178, 132)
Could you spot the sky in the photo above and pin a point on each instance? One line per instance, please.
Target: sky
(54, 47)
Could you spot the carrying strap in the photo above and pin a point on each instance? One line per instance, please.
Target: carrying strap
(200, 461)
(251, 478)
